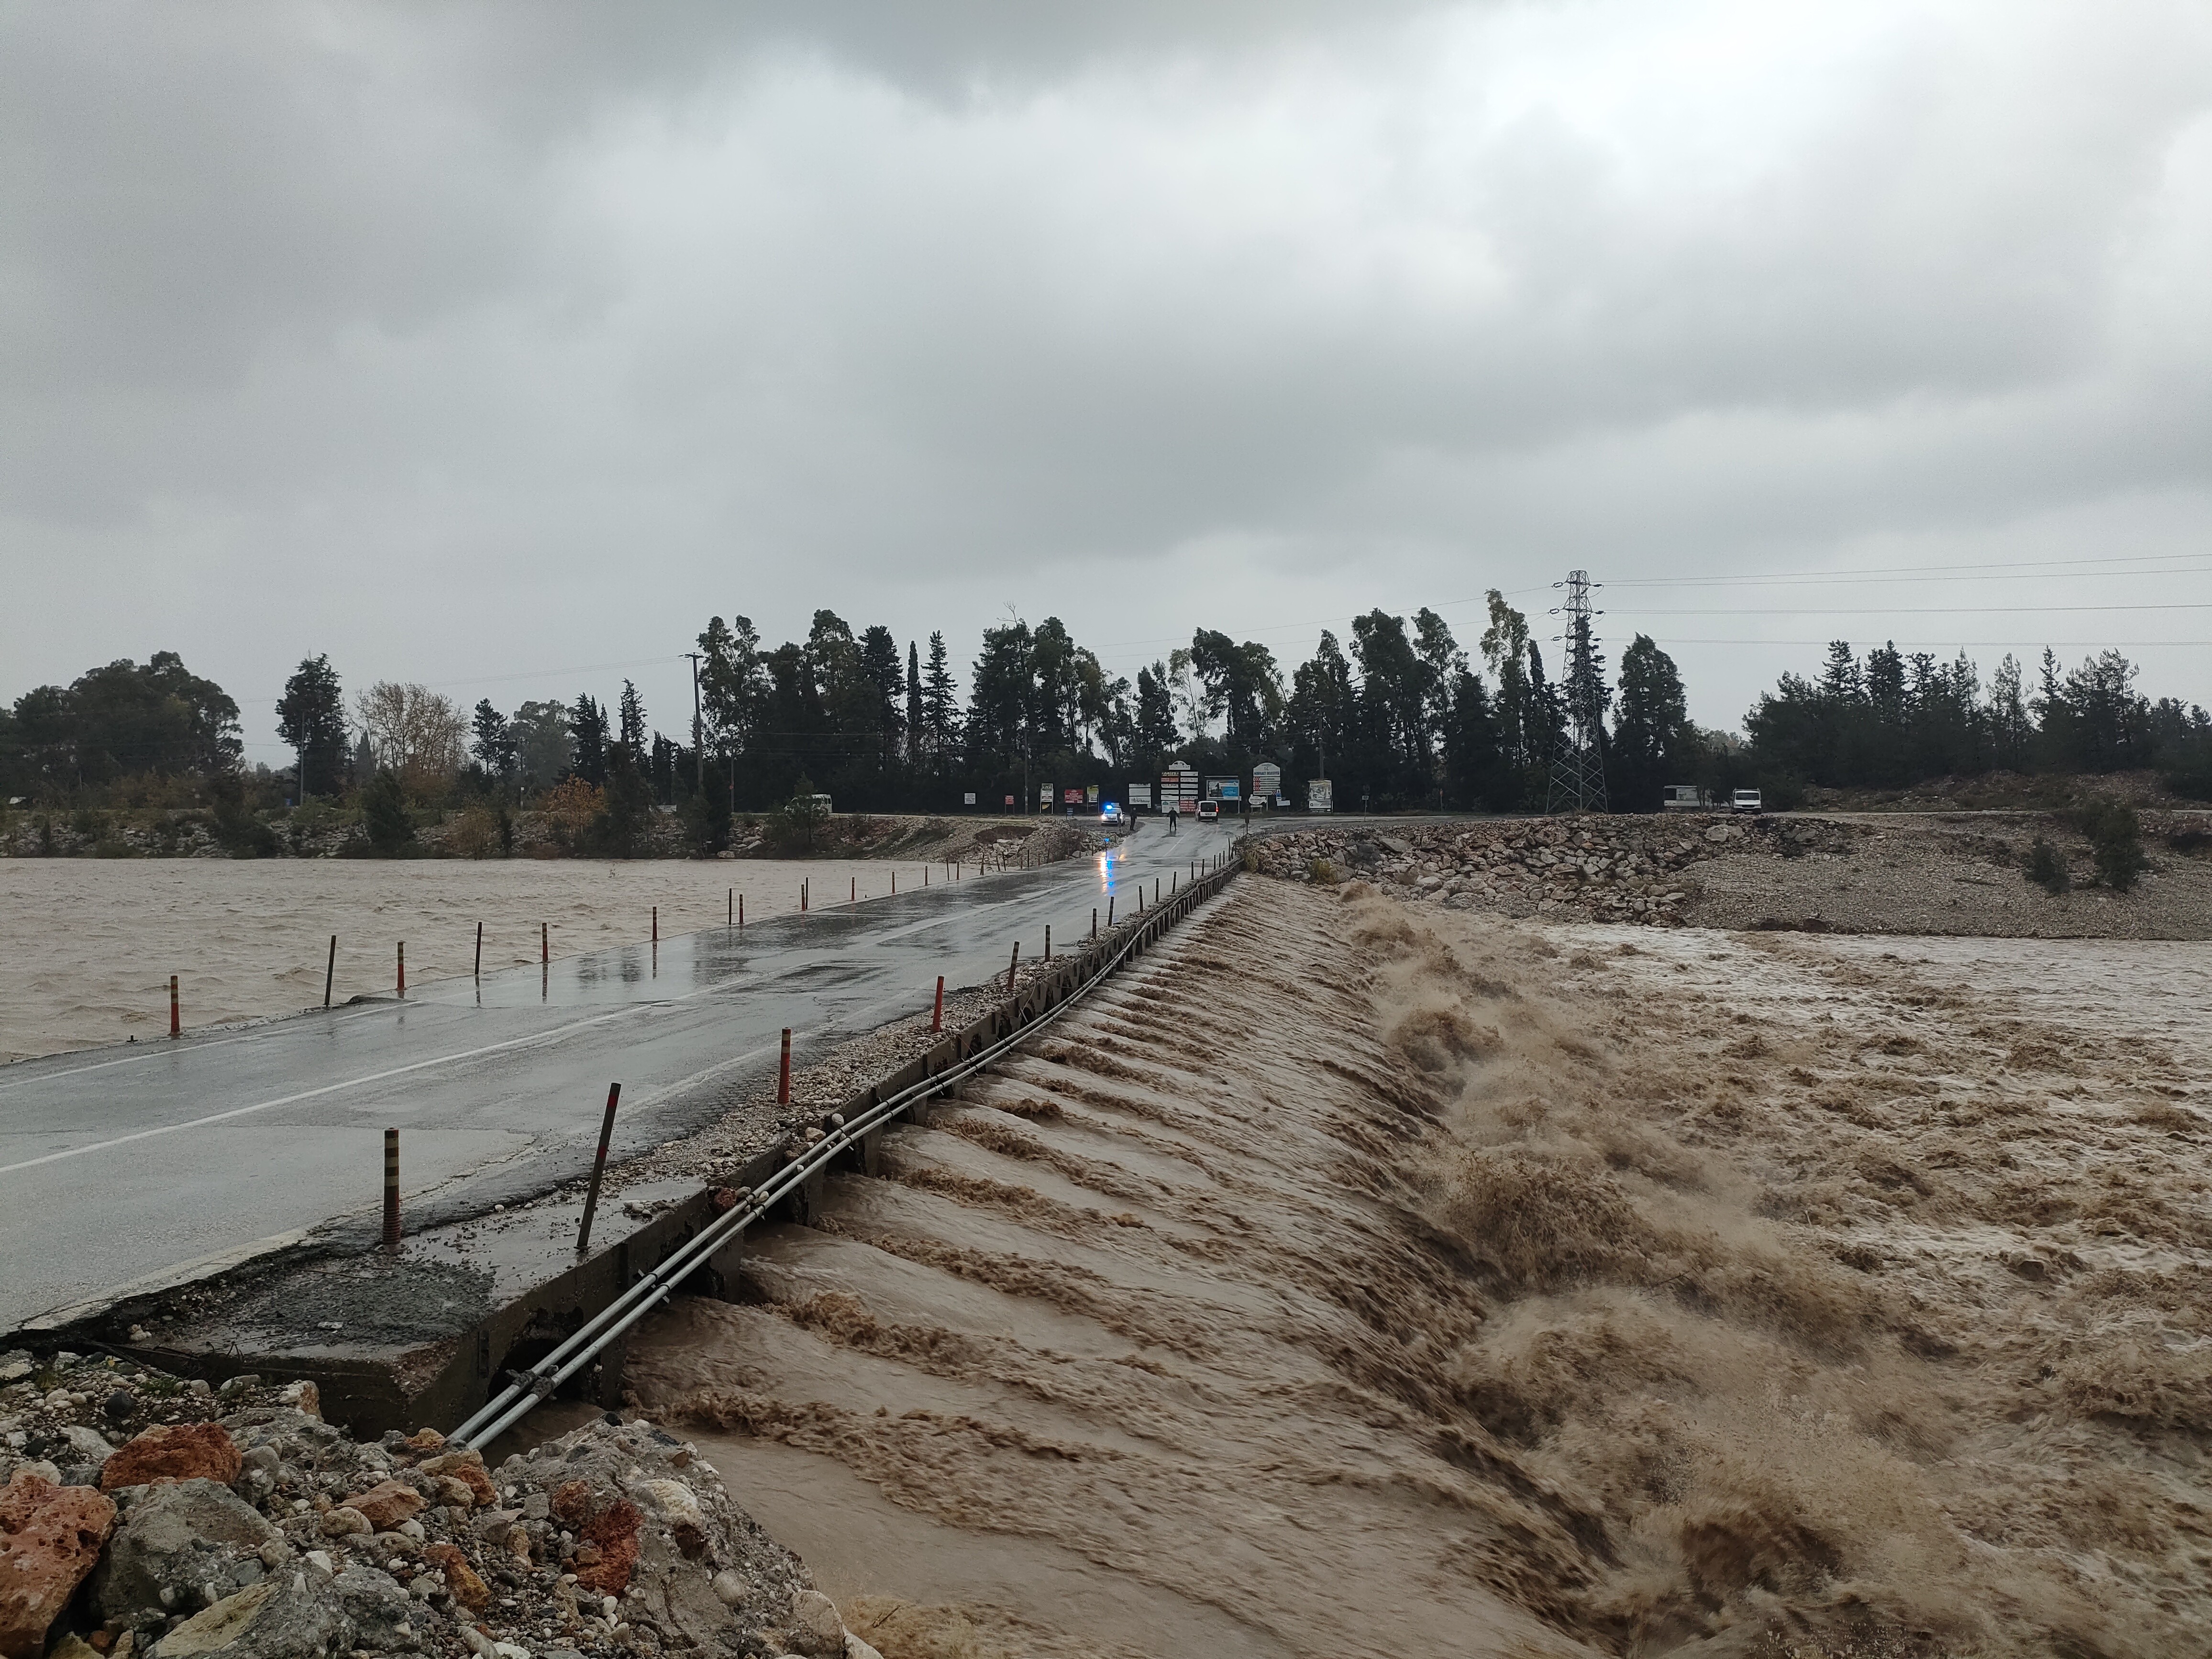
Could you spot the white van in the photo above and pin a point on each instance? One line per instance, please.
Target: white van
(1746, 801)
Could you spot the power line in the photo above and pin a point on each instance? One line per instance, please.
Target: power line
(1928, 610)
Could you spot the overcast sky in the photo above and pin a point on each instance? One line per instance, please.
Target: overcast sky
(497, 347)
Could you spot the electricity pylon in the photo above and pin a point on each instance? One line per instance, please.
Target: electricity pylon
(1577, 779)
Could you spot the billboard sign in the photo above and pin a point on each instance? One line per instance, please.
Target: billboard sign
(1073, 797)
(1224, 789)
(1140, 794)
(969, 797)
(1319, 796)
(1090, 794)
(1267, 780)
(1044, 798)
(1010, 803)
(1178, 787)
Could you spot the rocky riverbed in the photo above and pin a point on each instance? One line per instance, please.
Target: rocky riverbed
(143, 1515)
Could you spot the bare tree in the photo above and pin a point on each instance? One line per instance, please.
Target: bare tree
(420, 734)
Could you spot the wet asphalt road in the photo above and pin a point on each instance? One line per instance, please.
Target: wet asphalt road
(123, 1163)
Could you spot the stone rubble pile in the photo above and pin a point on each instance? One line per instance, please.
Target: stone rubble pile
(1636, 870)
(146, 1517)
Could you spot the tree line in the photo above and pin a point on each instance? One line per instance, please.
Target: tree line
(1397, 713)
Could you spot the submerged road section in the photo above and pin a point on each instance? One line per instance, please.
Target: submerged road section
(121, 1167)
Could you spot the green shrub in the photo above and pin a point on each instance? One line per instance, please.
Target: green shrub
(384, 811)
(2195, 784)
(1322, 874)
(2046, 867)
(797, 826)
(2116, 841)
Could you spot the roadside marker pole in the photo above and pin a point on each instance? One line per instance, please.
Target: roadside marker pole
(331, 970)
(853, 897)
(1109, 910)
(894, 884)
(391, 1191)
(480, 950)
(176, 1028)
(403, 969)
(783, 1072)
(544, 944)
(730, 909)
(1012, 966)
(937, 1014)
(741, 909)
(656, 924)
(1094, 921)
(599, 1169)
(1048, 941)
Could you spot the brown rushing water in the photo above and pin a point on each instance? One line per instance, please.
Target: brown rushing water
(93, 941)
(1352, 1282)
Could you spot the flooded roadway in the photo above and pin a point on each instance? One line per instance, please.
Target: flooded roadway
(125, 1165)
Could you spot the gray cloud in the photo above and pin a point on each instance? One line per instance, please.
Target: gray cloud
(469, 343)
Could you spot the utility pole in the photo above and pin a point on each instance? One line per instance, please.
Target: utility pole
(1577, 779)
(698, 736)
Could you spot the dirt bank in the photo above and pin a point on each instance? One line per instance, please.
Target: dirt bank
(1959, 874)
(1353, 1281)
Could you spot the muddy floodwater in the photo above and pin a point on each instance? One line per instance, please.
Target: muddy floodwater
(91, 942)
(1352, 1280)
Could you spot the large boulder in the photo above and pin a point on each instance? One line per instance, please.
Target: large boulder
(295, 1614)
(385, 1619)
(180, 1451)
(50, 1540)
(179, 1549)
(386, 1505)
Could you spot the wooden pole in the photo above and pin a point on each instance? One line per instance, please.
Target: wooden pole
(730, 909)
(1094, 921)
(331, 970)
(1110, 910)
(937, 1013)
(545, 943)
(656, 924)
(783, 1072)
(391, 1191)
(176, 1027)
(1012, 966)
(479, 951)
(403, 967)
(599, 1169)
(741, 909)
(1048, 941)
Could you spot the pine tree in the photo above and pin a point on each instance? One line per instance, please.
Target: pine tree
(940, 706)
(587, 732)
(633, 721)
(310, 717)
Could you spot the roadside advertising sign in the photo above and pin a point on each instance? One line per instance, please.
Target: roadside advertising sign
(1224, 789)
(1090, 794)
(1010, 801)
(1267, 780)
(1318, 796)
(970, 798)
(1073, 797)
(1140, 794)
(1179, 787)
(1044, 798)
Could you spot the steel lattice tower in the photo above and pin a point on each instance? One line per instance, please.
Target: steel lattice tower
(1577, 779)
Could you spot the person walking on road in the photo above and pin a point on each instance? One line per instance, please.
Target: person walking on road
(1172, 820)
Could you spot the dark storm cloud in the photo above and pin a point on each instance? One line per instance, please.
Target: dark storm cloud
(479, 340)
